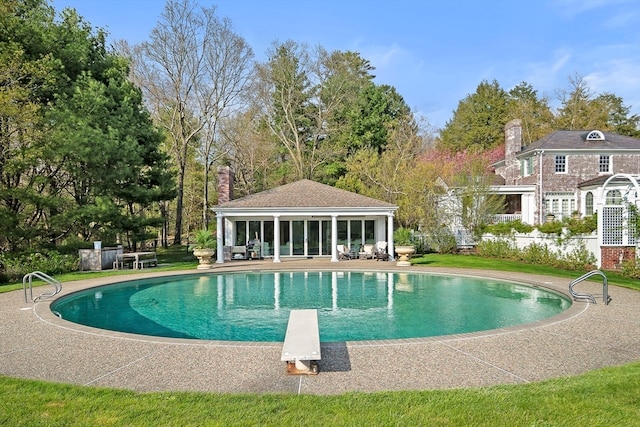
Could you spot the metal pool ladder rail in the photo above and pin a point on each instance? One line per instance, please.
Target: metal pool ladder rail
(28, 280)
(605, 288)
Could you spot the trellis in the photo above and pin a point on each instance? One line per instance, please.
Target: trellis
(616, 220)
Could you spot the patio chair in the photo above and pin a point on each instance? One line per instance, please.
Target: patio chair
(381, 251)
(343, 252)
(367, 251)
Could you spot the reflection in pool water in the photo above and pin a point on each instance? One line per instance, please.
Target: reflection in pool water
(254, 306)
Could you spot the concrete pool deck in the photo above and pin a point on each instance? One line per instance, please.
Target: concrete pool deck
(36, 344)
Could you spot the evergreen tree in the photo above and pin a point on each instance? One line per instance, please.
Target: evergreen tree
(85, 160)
(478, 122)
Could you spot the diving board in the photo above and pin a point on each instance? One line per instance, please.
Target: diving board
(301, 349)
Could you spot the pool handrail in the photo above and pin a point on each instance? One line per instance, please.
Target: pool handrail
(605, 288)
(28, 279)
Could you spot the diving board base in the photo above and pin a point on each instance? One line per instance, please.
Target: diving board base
(301, 349)
(302, 367)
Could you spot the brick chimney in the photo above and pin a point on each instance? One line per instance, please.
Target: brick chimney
(513, 145)
(225, 184)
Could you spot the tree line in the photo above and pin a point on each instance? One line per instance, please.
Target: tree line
(121, 142)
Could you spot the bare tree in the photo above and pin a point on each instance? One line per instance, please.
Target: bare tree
(191, 71)
(228, 62)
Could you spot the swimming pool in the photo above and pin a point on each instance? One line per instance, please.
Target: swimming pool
(352, 305)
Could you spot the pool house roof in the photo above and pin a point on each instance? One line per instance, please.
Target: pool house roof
(305, 195)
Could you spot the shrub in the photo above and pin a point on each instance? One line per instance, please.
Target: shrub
(442, 241)
(578, 226)
(631, 268)
(496, 249)
(551, 227)
(507, 228)
(578, 259)
(539, 254)
(49, 262)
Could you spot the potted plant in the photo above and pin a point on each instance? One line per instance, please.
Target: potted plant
(204, 248)
(403, 242)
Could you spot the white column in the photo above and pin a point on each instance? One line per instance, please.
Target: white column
(219, 239)
(334, 238)
(390, 245)
(276, 238)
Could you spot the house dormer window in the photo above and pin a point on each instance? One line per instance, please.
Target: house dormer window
(595, 135)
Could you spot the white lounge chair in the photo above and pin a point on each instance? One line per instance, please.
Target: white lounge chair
(343, 252)
(367, 251)
(381, 251)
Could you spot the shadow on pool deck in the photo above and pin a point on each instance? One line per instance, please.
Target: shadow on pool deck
(34, 343)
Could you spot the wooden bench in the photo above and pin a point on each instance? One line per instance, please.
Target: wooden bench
(301, 349)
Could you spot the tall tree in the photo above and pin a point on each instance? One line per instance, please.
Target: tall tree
(252, 152)
(611, 110)
(285, 100)
(228, 64)
(576, 111)
(534, 112)
(85, 159)
(192, 71)
(478, 122)
(304, 96)
(581, 110)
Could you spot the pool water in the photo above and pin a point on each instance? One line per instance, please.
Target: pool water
(352, 306)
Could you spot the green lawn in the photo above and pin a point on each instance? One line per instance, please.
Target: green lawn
(605, 397)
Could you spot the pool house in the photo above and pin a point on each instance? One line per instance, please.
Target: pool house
(303, 219)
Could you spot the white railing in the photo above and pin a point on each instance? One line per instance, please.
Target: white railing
(497, 219)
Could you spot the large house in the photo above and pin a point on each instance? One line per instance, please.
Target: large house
(555, 175)
(303, 219)
(573, 173)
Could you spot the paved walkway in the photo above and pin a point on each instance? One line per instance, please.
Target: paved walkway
(34, 343)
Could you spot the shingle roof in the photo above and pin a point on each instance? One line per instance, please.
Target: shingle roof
(306, 194)
(601, 179)
(576, 140)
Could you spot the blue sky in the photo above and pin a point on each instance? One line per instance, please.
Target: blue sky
(434, 52)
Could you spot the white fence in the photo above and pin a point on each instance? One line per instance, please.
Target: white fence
(566, 245)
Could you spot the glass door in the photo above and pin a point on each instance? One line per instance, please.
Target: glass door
(313, 238)
(297, 237)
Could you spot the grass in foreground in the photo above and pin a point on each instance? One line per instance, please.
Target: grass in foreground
(605, 397)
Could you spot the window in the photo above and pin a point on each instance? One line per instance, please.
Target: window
(560, 204)
(605, 164)
(588, 210)
(614, 197)
(561, 164)
(526, 167)
(595, 135)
